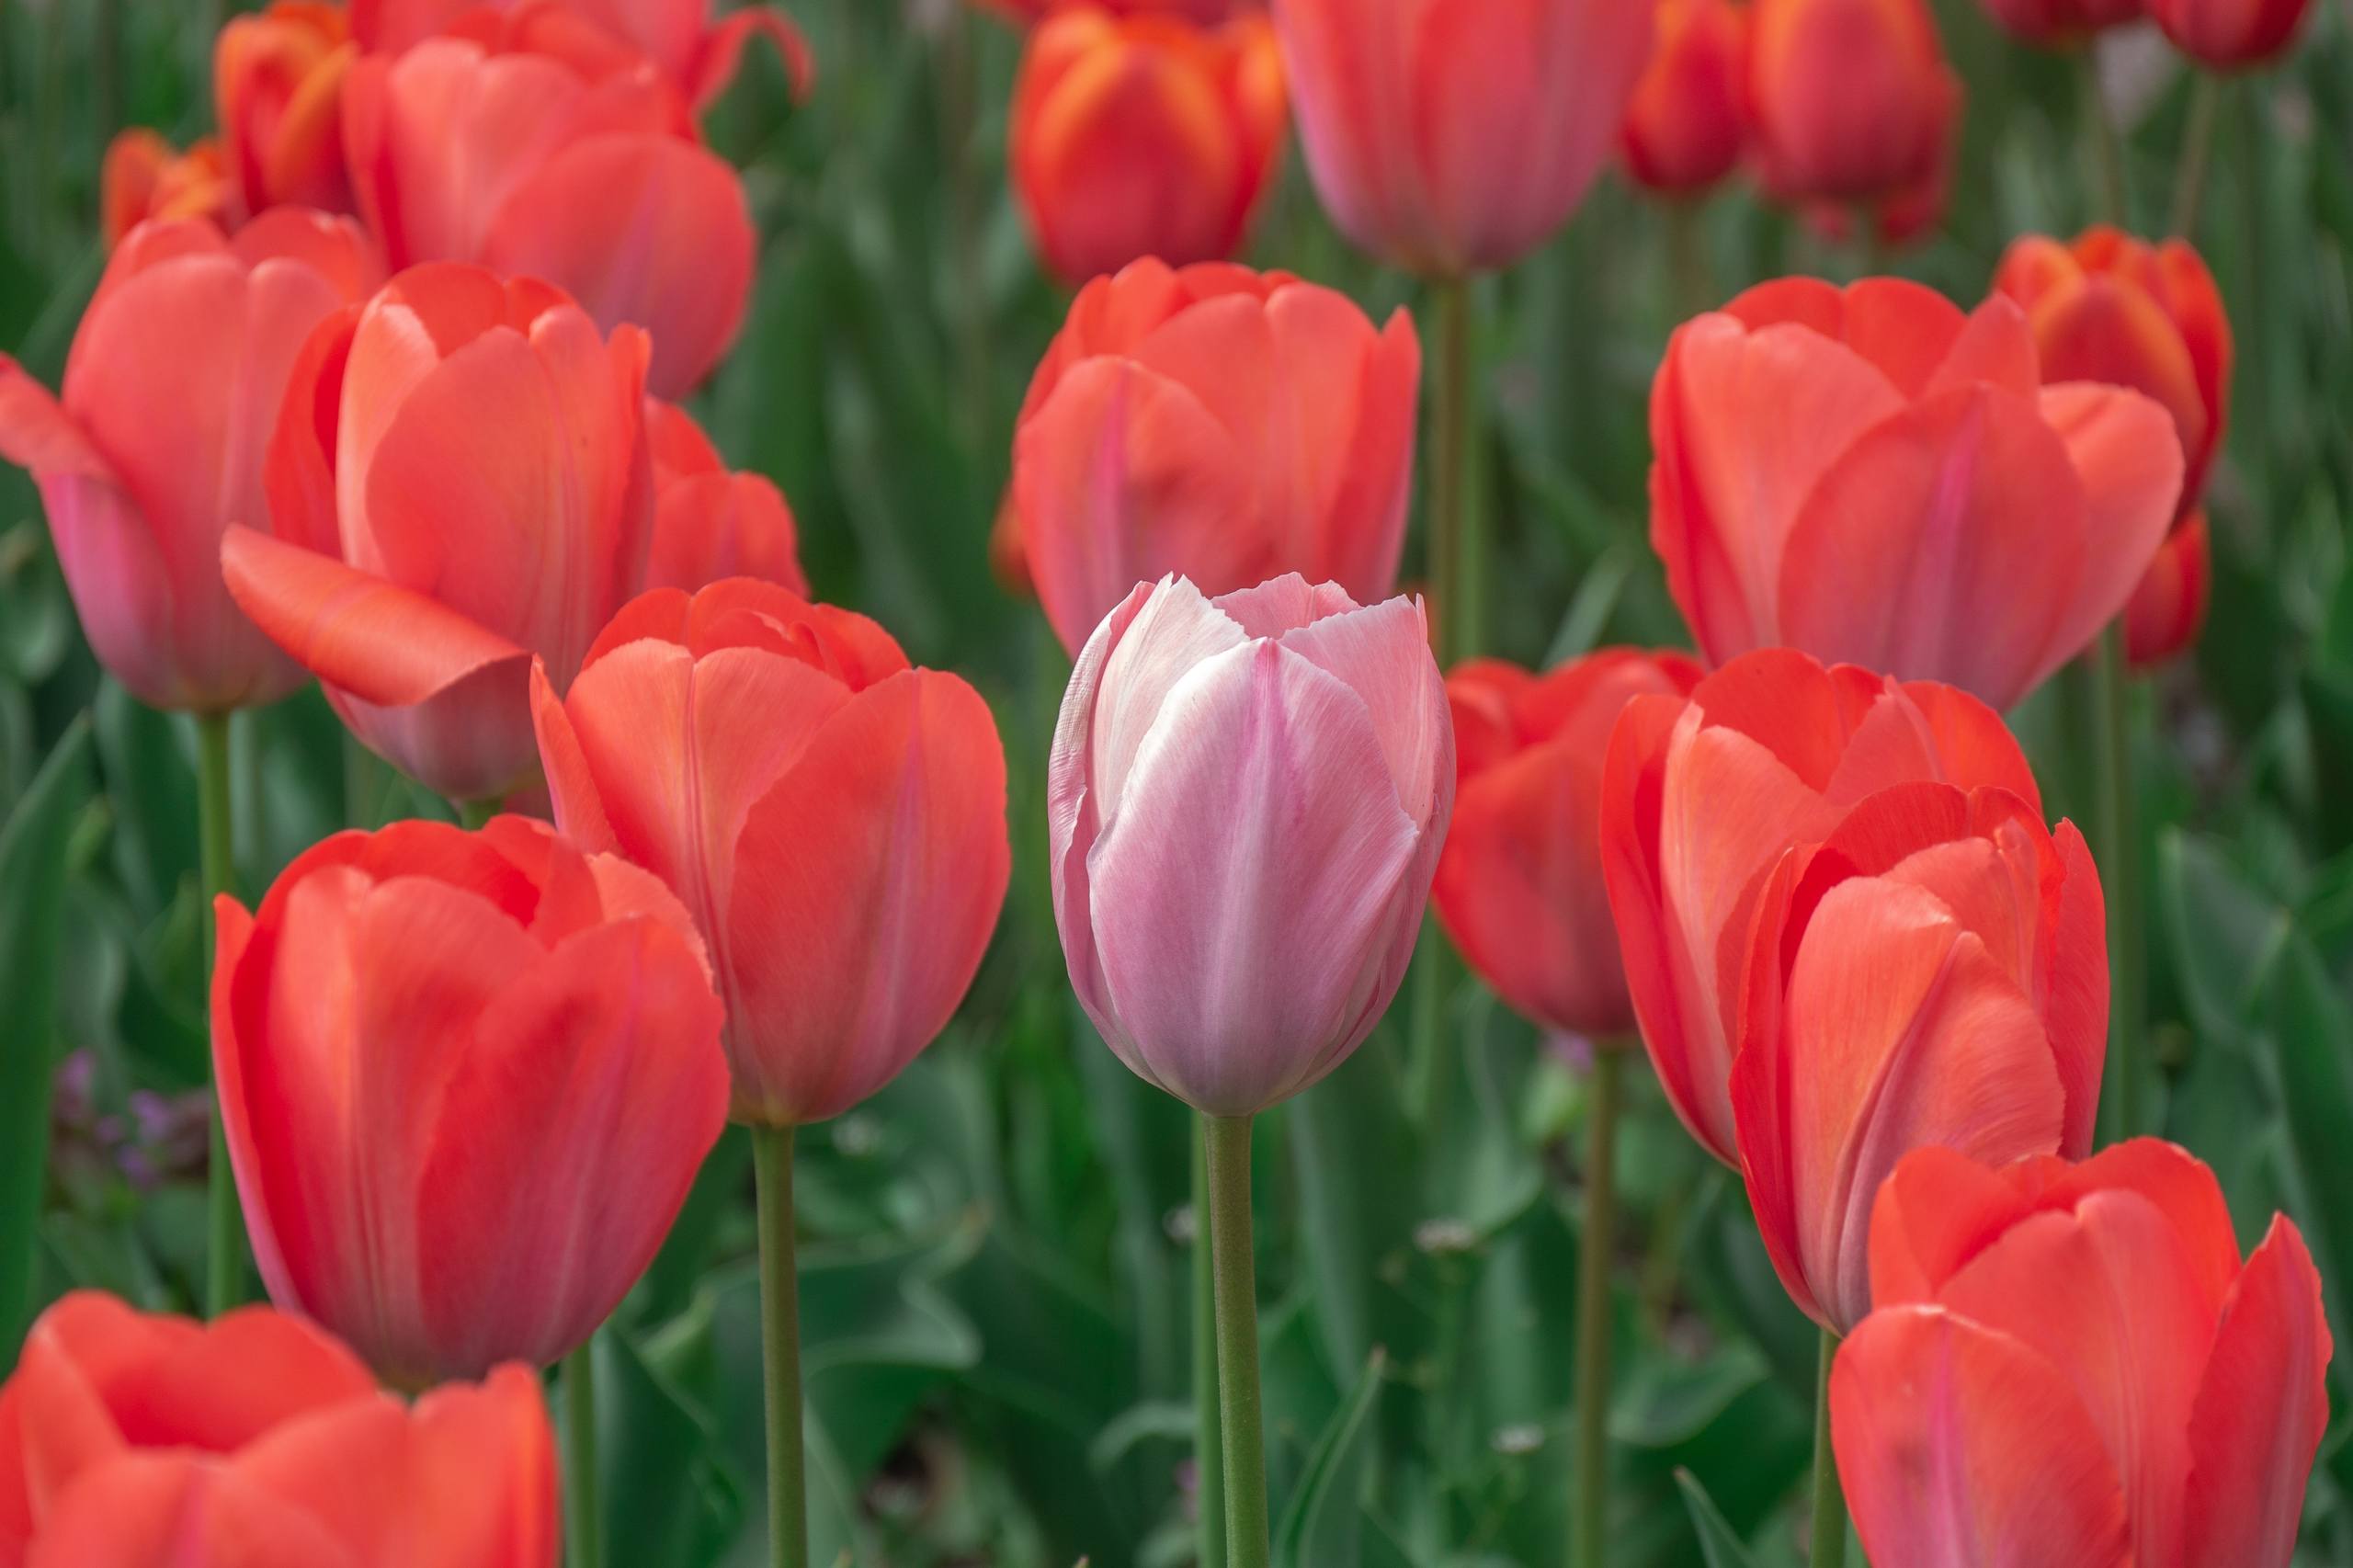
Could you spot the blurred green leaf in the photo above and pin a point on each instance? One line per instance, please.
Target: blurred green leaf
(668, 1492)
(1718, 1545)
(1322, 1524)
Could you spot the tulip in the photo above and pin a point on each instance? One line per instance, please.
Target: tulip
(2062, 23)
(145, 177)
(697, 55)
(2168, 609)
(1201, 12)
(2070, 1365)
(1874, 477)
(1687, 125)
(1797, 747)
(806, 792)
(129, 1440)
(462, 1119)
(1223, 424)
(171, 387)
(278, 80)
(709, 523)
(467, 459)
(1143, 137)
(1906, 212)
(2230, 34)
(1851, 99)
(1519, 885)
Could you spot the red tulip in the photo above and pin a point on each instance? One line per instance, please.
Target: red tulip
(2068, 1367)
(466, 1081)
(1688, 124)
(679, 36)
(710, 524)
(1871, 476)
(1226, 424)
(1203, 13)
(1851, 99)
(170, 390)
(129, 1440)
(467, 458)
(1143, 137)
(1519, 885)
(2061, 23)
(2168, 609)
(277, 83)
(1702, 798)
(2229, 34)
(807, 793)
(1452, 136)
(146, 177)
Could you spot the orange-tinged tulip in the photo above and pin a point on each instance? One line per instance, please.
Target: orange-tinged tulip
(146, 177)
(1871, 476)
(2069, 1367)
(466, 1080)
(1687, 124)
(1519, 885)
(1144, 136)
(2229, 34)
(697, 55)
(2168, 609)
(130, 1439)
(1453, 136)
(807, 793)
(1702, 798)
(1850, 99)
(2058, 23)
(277, 85)
(171, 389)
(1226, 424)
(709, 522)
(465, 459)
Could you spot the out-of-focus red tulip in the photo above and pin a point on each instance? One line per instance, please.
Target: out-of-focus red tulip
(170, 388)
(277, 86)
(1144, 136)
(2060, 23)
(146, 177)
(806, 792)
(1454, 136)
(1932, 973)
(2168, 609)
(1246, 800)
(129, 1440)
(466, 1081)
(2230, 34)
(1702, 798)
(1520, 886)
(1226, 424)
(2068, 1367)
(1908, 212)
(1008, 557)
(1687, 124)
(1871, 476)
(697, 55)
(710, 523)
(1205, 13)
(537, 154)
(462, 466)
(1851, 99)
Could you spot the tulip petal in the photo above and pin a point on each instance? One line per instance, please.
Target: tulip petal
(146, 1509)
(1073, 814)
(2075, 1009)
(1381, 652)
(571, 784)
(708, 527)
(2129, 461)
(1365, 522)
(1172, 632)
(722, 50)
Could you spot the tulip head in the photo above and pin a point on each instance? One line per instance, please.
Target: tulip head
(277, 84)
(697, 56)
(1203, 13)
(806, 792)
(1851, 99)
(2058, 24)
(2168, 609)
(1224, 424)
(1687, 124)
(466, 1081)
(2230, 34)
(145, 177)
(710, 524)
(1245, 801)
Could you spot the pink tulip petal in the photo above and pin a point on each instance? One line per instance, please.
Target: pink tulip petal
(1381, 652)
(1170, 633)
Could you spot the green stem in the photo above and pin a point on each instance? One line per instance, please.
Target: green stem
(1227, 1141)
(1208, 1459)
(780, 1347)
(1687, 254)
(1593, 1307)
(2118, 849)
(1457, 551)
(473, 814)
(2111, 196)
(224, 1253)
(1829, 1502)
(2197, 151)
(584, 1523)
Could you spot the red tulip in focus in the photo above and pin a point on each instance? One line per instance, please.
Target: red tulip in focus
(710, 523)
(129, 1440)
(698, 56)
(2230, 34)
(170, 388)
(1226, 424)
(466, 1079)
(2068, 1367)
(1454, 136)
(1520, 886)
(145, 177)
(2062, 23)
(278, 85)
(1851, 99)
(466, 459)
(1871, 476)
(1701, 799)
(807, 795)
(1145, 136)
(1687, 124)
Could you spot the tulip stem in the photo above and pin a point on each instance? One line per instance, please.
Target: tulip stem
(1209, 1459)
(1457, 550)
(583, 1523)
(2118, 848)
(224, 1253)
(1593, 1304)
(780, 1347)
(2197, 151)
(1829, 1502)
(2111, 196)
(1226, 1142)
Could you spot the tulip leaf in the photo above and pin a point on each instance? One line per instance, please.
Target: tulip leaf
(1719, 1547)
(2311, 1050)
(1322, 1524)
(668, 1492)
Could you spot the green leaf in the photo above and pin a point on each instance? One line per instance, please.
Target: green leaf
(668, 1491)
(1718, 1545)
(1322, 1524)
(2312, 1045)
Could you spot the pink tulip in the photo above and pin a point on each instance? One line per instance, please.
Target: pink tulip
(1246, 797)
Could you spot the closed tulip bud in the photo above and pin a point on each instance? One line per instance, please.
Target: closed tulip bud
(1851, 99)
(1221, 424)
(155, 450)
(1688, 124)
(806, 792)
(1799, 747)
(1871, 476)
(277, 84)
(1520, 886)
(2168, 609)
(130, 1439)
(1245, 802)
(2062, 23)
(697, 54)
(1144, 136)
(709, 523)
(2070, 1365)
(146, 177)
(460, 466)
(466, 1080)
(2230, 34)
(1454, 136)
